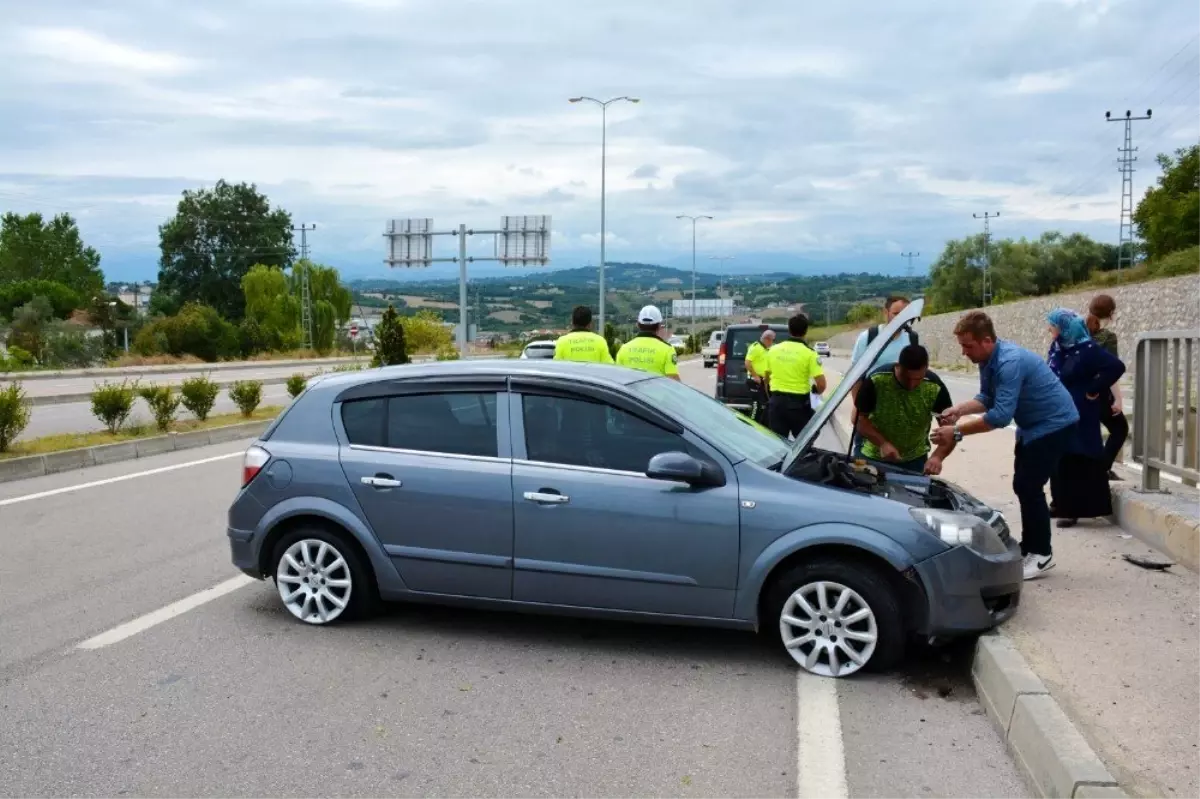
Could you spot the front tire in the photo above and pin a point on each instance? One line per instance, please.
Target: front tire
(836, 617)
(320, 578)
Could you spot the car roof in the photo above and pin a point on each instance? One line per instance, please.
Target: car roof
(595, 373)
(761, 326)
(542, 343)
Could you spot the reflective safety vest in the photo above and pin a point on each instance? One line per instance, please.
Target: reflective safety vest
(649, 353)
(582, 345)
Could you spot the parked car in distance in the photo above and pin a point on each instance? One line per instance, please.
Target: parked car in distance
(731, 386)
(600, 491)
(712, 350)
(822, 349)
(679, 343)
(538, 349)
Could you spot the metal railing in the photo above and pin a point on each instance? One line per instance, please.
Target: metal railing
(1166, 437)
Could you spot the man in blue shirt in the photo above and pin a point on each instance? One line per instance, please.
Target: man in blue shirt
(1015, 385)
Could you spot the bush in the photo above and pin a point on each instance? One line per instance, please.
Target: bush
(17, 360)
(198, 395)
(296, 384)
(246, 394)
(112, 403)
(1181, 262)
(68, 349)
(447, 355)
(390, 346)
(14, 414)
(163, 404)
(196, 330)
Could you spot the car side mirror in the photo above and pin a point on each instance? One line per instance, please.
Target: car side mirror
(682, 467)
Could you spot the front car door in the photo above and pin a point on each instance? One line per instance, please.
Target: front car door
(431, 469)
(593, 531)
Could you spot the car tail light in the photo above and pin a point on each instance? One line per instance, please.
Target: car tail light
(721, 362)
(252, 463)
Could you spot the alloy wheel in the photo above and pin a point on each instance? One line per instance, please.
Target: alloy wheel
(314, 581)
(828, 628)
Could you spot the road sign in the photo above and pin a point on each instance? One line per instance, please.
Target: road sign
(353, 331)
(524, 240)
(409, 242)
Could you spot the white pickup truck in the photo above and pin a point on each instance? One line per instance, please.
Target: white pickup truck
(712, 350)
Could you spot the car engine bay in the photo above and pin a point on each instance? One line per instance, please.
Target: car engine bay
(839, 471)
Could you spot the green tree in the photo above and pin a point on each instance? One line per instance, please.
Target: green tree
(1168, 217)
(63, 299)
(424, 332)
(29, 327)
(214, 239)
(271, 306)
(862, 313)
(331, 301)
(32, 248)
(390, 346)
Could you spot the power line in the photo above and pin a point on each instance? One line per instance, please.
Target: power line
(1125, 234)
(908, 271)
(987, 254)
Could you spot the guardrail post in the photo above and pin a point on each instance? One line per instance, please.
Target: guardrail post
(1191, 436)
(1150, 405)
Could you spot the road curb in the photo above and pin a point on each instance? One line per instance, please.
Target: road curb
(1048, 749)
(29, 466)
(1174, 531)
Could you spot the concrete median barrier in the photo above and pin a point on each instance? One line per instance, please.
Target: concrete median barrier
(23, 468)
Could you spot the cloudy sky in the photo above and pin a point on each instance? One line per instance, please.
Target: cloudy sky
(819, 135)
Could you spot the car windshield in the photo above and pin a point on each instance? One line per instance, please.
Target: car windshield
(723, 426)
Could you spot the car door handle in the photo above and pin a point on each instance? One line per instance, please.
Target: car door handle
(382, 481)
(547, 499)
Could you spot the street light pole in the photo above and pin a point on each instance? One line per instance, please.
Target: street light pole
(603, 179)
(723, 259)
(694, 220)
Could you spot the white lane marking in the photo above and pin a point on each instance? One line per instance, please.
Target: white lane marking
(119, 479)
(820, 759)
(143, 623)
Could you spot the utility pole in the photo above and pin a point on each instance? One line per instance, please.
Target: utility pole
(723, 259)
(829, 294)
(1125, 167)
(306, 320)
(908, 272)
(694, 219)
(987, 255)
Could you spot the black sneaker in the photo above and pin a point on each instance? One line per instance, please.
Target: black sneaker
(1113, 475)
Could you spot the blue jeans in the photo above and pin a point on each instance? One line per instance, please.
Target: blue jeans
(1033, 463)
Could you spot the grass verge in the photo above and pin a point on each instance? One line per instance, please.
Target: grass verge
(65, 441)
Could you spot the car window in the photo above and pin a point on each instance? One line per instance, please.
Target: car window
(729, 430)
(458, 423)
(740, 340)
(581, 433)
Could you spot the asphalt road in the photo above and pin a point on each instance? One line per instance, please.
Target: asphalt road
(223, 693)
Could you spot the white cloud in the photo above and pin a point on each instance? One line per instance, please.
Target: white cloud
(87, 49)
(1040, 82)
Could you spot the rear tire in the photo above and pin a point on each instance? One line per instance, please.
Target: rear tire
(320, 577)
(835, 617)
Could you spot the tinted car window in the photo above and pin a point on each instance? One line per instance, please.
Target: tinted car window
(543, 351)
(454, 423)
(581, 433)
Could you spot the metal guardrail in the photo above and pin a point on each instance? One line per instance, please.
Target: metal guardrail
(1166, 437)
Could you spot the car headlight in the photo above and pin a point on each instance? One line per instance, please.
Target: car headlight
(960, 529)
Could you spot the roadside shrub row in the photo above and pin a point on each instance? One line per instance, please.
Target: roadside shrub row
(112, 403)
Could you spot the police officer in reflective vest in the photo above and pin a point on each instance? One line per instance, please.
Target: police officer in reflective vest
(647, 351)
(793, 373)
(756, 367)
(581, 344)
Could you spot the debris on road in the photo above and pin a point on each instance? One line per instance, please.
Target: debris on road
(1147, 563)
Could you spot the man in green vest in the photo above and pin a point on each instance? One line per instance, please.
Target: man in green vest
(647, 351)
(756, 369)
(897, 404)
(793, 373)
(581, 344)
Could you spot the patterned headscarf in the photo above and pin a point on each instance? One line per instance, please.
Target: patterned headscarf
(1072, 330)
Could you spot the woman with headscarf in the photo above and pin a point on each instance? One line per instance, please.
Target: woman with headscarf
(1098, 320)
(1080, 485)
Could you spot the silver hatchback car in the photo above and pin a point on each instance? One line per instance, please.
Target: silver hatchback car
(602, 491)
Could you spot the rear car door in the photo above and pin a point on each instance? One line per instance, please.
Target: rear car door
(737, 343)
(431, 469)
(592, 530)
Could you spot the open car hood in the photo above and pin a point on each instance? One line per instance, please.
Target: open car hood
(856, 372)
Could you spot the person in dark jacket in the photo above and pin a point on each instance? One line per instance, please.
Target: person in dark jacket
(1098, 320)
(1079, 485)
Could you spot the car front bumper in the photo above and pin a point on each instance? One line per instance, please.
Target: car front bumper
(967, 592)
